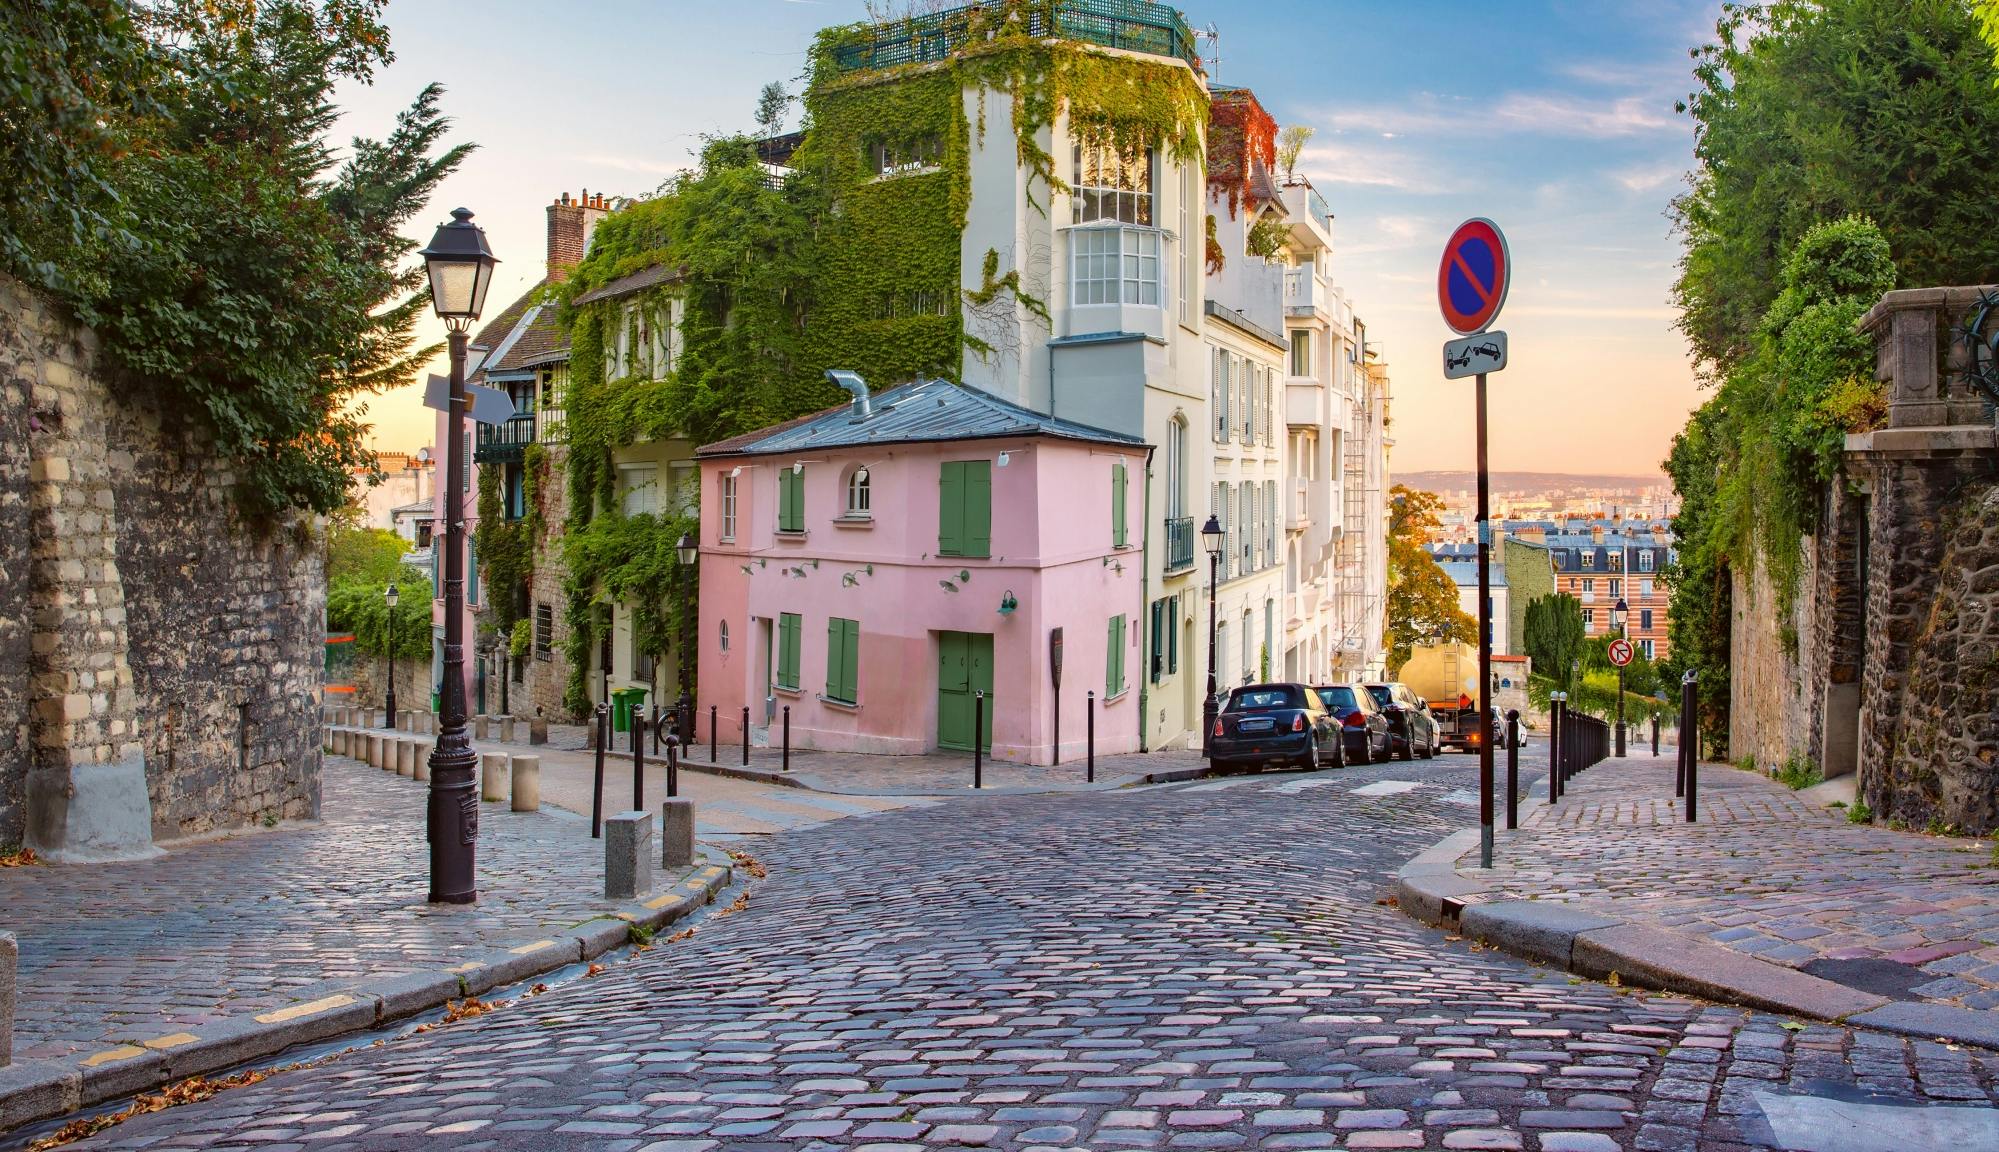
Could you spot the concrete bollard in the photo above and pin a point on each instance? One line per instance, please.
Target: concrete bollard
(479, 728)
(385, 752)
(537, 731)
(10, 954)
(406, 720)
(408, 751)
(493, 776)
(527, 783)
(326, 738)
(371, 748)
(340, 741)
(627, 855)
(422, 760)
(676, 834)
(506, 729)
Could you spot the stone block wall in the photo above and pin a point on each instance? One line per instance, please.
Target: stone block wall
(171, 685)
(543, 682)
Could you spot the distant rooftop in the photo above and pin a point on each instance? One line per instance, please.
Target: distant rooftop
(1132, 25)
(1464, 573)
(925, 411)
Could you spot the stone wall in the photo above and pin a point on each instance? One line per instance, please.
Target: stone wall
(543, 682)
(171, 685)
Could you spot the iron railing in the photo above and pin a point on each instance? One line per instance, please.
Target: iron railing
(1132, 25)
(506, 442)
(1179, 543)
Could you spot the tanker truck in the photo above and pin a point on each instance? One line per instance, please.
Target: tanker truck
(1446, 675)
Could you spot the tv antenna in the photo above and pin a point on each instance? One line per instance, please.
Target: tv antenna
(1213, 56)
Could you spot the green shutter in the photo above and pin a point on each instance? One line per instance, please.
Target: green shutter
(1114, 659)
(471, 570)
(834, 635)
(1117, 504)
(787, 650)
(978, 507)
(790, 501)
(1156, 658)
(951, 509)
(850, 660)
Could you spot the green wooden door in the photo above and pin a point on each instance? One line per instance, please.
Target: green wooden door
(964, 666)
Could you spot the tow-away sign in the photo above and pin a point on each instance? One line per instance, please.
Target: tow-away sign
(1471, 355)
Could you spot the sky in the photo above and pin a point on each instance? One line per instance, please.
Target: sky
(1554, 118)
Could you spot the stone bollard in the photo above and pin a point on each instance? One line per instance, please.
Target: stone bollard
(406, 720)
(676, 834)
(385, 752)
(627, 855)
(408, 749)
(493, 776)
(10, 953)
(422, 760)
(371, 747)
(479, 728)
(506, 729)
(527, 783)
(537, 731)
(339, 741)
(326, 738)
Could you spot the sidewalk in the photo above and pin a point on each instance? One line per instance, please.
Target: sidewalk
(1768, 896)
(852, 774)
(227, 949)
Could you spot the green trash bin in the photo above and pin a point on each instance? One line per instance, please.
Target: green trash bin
(622, 703)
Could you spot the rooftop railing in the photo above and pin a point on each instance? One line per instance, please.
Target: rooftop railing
(1131, 25)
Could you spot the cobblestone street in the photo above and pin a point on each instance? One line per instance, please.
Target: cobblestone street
(1195, 965)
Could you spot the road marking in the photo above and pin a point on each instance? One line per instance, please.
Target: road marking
(1386, 788)
(1297, 786)
(113, 1055)
(1461, 796)
(1214, 785)
(310, 1008)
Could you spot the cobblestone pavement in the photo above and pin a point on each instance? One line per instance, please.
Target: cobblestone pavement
(1765, 872)
(1185, 966)
(233, 926)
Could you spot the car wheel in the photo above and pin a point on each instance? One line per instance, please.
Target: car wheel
(1408, 747)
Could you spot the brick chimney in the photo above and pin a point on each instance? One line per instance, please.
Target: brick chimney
(1596, 533)
(570, 223)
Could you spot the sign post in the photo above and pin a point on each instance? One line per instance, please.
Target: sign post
(1472, 280)
(1620, 655)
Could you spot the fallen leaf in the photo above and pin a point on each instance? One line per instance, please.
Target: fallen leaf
(750, 864)
(594, 969)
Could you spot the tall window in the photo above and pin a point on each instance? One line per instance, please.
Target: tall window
(1120, 536)
(1112, 185)
(858, 494)
(1616, 588)
(1301, 352)
(1270, 520)
(1246, 535)
(1220, 394)
(544, 631)
(1114, 658)
(1246, 379)
(1645, 619)
(1176, 468)
(1589, 585)
(728, 507)
(1114, 266)
(1589, 619)
(1589, 558)
(641, 490)
(1645, 560)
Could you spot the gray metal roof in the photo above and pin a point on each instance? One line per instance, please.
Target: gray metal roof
(925, 411)
(1464, 573)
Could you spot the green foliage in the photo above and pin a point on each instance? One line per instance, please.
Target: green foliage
(1422, 599)
(520, 642)
(507, 547)
(210, 244)
(358, 606)
(1291, 141)
(357, 555)
(1798, 773)
(1555, 636)
(1596, 695)
(1988, 28)
(1267, 236)
(1810, 110)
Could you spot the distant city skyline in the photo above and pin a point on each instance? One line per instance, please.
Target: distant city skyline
(1561, 128)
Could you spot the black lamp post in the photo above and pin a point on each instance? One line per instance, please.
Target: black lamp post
(460, 265)
(1212, 539)
(1618, 612)
(389, 597)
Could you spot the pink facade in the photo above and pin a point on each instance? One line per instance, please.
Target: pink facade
(1053, 550)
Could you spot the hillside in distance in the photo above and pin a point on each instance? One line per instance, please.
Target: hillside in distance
(1529, 481)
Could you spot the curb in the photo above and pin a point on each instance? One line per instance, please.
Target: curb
(37, 1090)
(1583, 939)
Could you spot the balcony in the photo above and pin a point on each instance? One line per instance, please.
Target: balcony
(1179, 543)
(1298, 510)
(1117, 279)
(1304, 292)
(504, 443)
(1304, 403)
(1130, 25)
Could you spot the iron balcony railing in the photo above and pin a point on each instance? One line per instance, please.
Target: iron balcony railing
(1133, 25)
(504, 443)
(1179, 543)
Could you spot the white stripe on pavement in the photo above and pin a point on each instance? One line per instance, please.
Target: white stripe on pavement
(1386, 788)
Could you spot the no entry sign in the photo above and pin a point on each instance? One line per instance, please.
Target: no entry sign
(1472, 279)
(1620, 652)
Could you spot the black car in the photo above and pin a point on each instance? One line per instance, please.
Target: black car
(1412, 730)
(1363, 725)
(1283, 724)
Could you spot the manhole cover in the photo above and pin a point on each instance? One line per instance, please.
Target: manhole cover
(1881, 977)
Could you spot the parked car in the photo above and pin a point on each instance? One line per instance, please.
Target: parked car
(1285, 724)
(1364, 726)
(1412, 730)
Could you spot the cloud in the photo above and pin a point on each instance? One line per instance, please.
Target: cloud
(1534, 113)
(1563, 115)
(1327, 163)
(1646, 177)
(633, 164)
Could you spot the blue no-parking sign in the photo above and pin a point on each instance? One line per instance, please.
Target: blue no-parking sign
(1472, 279)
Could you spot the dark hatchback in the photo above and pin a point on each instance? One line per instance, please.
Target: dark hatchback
(1282, 724)
(1411, 728)
(1364, 729)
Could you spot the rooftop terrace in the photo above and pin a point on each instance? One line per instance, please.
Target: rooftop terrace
(1131, 25)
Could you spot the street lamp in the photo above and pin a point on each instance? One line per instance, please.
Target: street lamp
(1618, 612)
(389, 598)
(688, 548)
(1212, 539)
(460, 265)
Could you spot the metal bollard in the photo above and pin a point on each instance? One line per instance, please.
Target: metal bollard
(1512, 769)
(746, 735)
(787, 738)
(1690, 741)
(655, 729)
(714, 748)
(1554, 749)
(638, 760)
(1655, 734)
(1090, 737)
(602, 731)
(978, 739)
(672, 766)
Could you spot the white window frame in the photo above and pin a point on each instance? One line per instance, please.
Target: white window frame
(728, 508)
(642, 481)
(1116, 265)
(858, 500)
(1133, 194)
(1645, 560)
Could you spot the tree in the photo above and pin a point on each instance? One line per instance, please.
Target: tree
(773, 103)
(363, 556)
(1422, 598)
(192, 215)
(1988, 27)
(1291, 141)
(359, 607)
(1555, 637)
(1810, 110)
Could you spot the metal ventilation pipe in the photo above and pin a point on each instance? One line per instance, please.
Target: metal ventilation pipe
(853, 383)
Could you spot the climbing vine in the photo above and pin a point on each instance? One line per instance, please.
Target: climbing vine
(1242, 136)
(506, 547)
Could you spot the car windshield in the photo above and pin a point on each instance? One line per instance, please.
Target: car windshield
(1381, 694)
(1338, 699)
(1266, 697)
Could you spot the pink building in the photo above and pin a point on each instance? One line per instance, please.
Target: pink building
(875, 566)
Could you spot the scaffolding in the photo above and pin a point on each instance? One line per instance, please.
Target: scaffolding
(1362, 474)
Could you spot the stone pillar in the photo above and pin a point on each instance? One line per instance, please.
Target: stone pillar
(627, 855)
(407, 752)
(479, 728)
(506, 729)
(676, 834)
(527, 783)
(422, 767)
(493, 777)
(86, 788)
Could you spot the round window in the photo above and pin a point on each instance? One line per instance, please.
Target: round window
(725, 635)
